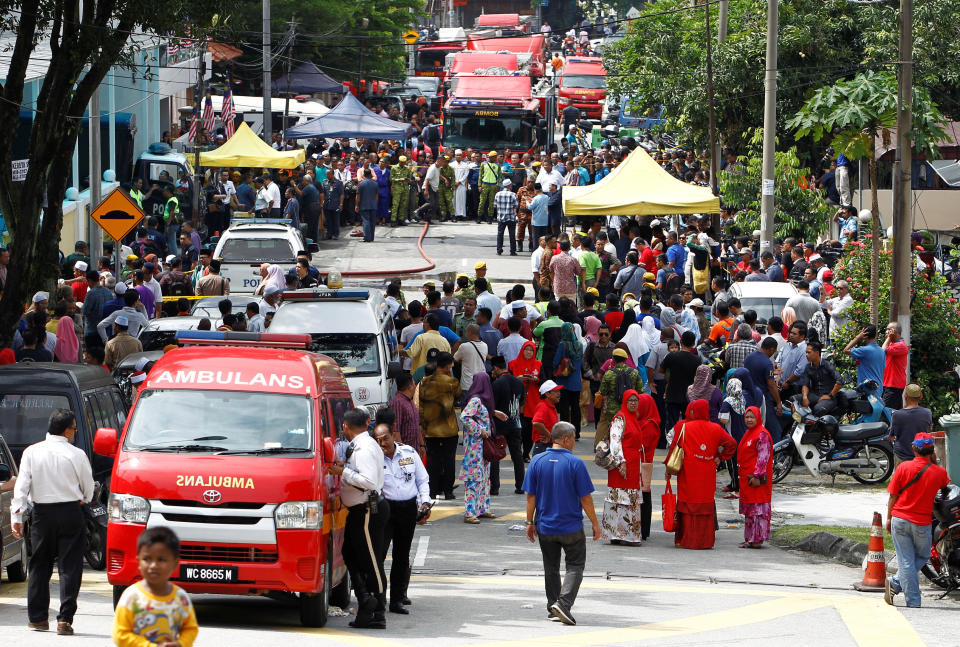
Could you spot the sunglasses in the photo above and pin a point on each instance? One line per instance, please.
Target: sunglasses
(604, 334)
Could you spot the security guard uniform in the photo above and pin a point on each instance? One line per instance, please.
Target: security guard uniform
(400, 175)
(406, 487)
(361, 487)
(445, 193)
(490, 176)
(137, 195)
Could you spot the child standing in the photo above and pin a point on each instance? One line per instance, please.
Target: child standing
(154, 611)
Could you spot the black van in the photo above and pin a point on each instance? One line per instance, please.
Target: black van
(30, 392)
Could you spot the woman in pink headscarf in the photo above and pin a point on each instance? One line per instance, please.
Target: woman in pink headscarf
(68, 346)
(271, 275)
(591, 328)
(789, 315)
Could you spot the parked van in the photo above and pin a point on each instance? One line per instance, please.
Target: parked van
(355, 328)
(227, 444)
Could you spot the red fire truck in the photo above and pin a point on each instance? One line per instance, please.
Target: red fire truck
(583, 82)
(491, 113)
(534, 46)
(227, 444)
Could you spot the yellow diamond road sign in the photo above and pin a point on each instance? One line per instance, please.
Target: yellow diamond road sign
(118, 214)
(410, 36)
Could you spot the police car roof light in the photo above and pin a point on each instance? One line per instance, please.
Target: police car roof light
(228, 338)
(262, 221)
(326, 295)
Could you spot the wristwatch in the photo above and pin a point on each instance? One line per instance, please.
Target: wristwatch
(530, 523)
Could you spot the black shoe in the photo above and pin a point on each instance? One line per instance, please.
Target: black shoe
(499, 252)
(495, 493)
(396, 607)
(562, 613)
(371, 624)
(517, 491)
(405, 601)
(450, 497)
(513, 253)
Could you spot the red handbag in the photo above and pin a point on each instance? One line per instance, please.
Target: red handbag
(668, 500)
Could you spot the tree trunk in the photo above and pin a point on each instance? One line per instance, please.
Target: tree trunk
(875, 247)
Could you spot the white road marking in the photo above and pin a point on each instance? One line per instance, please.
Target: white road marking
(421, 555)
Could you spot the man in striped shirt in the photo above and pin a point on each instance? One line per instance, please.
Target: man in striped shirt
(506, 203)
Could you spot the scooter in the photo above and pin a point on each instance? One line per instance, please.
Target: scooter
(862, 404)
(943, 569)
(826, 447)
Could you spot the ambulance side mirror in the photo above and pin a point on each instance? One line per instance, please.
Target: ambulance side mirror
(329, 450)
(105, 441)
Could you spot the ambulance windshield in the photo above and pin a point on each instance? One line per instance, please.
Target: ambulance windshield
(221, 421)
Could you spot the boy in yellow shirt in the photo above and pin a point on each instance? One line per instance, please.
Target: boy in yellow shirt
(154, 612)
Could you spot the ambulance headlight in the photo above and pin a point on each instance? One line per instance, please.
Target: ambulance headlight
(299, 515)
(127, 507)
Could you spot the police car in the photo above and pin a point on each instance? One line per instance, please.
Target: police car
(252, 241)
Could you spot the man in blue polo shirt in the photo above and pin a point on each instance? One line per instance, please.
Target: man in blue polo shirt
(558, 489)
(871, 359)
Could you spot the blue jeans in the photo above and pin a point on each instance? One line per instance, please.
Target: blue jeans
(912, 543)
(368, 216)
(172, 238)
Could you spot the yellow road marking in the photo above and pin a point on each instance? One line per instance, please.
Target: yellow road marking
(872, 622)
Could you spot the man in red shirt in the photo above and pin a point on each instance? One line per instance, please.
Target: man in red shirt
(895, 371)
(912, 489)
(545, 417)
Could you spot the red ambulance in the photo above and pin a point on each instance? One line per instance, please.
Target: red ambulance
(226, 444)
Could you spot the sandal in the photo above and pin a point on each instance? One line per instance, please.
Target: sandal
(470, 520)
(487, 515)
(731, 495)
(744, 544)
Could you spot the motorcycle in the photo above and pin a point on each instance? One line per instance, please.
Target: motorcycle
(824, 446)
(95, 523)
(943, 569)
(862, 404)
(710, 355)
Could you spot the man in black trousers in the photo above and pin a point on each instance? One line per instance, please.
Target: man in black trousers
(406, 487)
(56, 477)
(508, 393)
(361, 473)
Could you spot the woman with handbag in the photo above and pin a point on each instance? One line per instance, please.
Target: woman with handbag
(477, 417)
(567, 366)
(526, 367)
(693, 456)
(755, 467)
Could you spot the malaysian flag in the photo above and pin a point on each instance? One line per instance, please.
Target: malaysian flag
(173, 46)
(193, 127)
(227, 113)
(208, 114)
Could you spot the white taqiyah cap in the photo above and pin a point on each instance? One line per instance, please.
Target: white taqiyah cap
(80, 265)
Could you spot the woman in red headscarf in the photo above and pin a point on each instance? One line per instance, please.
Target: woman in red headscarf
(704, 443)
(755, 467)
(623, 507)
(526, 367)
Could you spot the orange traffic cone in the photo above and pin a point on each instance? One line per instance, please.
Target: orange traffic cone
(876, 573)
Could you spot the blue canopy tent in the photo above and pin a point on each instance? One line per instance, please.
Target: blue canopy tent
(350, 118)
(306, 79)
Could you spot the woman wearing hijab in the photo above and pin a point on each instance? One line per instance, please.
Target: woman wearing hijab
(68, 346)
(789, 315)
(650, 331)
(569, 360)
(731, 417)
(703, 389)
(271, 275)
(629, 318)
(703, 442)
(756, 480)
(526, 368)
(638, 348)
(591, 329)
(477, 417)
(752, 395)
(632, 441)
(669, 319)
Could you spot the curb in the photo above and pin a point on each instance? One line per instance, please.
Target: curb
(837, 548)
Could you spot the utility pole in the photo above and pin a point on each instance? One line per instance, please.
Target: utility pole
(197, 107)
(724, 18)
(267, 111)
(903, 211)
(767, 207)
(293, 37)
(93, 134)
(712, 129)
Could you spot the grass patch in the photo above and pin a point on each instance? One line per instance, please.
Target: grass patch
(792, 534)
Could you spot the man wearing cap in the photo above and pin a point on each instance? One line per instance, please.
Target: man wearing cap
(545, 416)
(909, 422)
(96, 297)
(79, 281)
(122, 343)
(506, 204)
(611, 387)
(116, 303)
(135, 319)
(80, 253)
(912, 488)
(399, 178)
(490, 176)
(445, 194)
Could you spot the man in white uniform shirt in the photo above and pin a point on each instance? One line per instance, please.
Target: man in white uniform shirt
(461, 172)
(406, 487)
(56, 478)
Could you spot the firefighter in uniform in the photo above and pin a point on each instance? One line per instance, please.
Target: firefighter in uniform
(490, 176)
(400, 187)
(445, 194)
(406, 487)
(361, 484)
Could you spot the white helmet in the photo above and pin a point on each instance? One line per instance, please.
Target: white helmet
(866, 215)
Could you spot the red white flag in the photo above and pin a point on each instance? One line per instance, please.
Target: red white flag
(208, 114)
(228, 112)
(193, 127)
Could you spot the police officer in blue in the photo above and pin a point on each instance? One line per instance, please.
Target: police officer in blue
(406, 487)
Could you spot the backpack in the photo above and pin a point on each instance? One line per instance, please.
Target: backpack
(623, 383)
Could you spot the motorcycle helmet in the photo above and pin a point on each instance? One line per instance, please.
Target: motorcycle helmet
(828, 425)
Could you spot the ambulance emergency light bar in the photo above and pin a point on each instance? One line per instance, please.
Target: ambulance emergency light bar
(486, 102)
(326, 295)
(228, 338)
(263, 221)
(584, 59)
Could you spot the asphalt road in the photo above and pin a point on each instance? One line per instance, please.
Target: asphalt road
(482, 585)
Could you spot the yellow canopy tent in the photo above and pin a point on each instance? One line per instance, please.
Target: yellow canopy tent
(245, 149)
(638, 187)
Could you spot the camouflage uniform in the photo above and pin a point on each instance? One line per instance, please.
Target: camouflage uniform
(445, 193)
(400, 187)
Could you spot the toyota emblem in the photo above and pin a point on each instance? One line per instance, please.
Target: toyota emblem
(212, 496)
